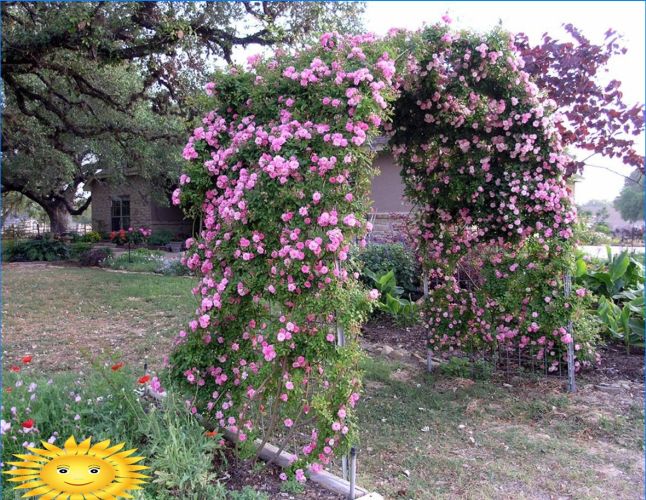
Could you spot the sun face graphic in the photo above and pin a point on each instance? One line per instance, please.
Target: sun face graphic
(78, 471)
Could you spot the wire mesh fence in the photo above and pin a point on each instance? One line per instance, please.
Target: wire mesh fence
(32, 228)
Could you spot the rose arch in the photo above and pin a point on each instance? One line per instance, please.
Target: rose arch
(279, 174)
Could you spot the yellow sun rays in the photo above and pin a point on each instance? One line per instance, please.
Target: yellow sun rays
(78, 471)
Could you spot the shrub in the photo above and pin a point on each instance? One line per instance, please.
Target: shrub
(383, 257)
(78, 248)
(161, 237)
(94, 256)
(91, 237)
(44, 249)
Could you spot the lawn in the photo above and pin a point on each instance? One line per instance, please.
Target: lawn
(422, 436)
(65, 316)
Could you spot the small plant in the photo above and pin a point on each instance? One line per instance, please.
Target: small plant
(380, 258)
(463, 368)
(390, 300)
(91, 237)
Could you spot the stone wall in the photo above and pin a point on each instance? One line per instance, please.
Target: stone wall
(144, 211)
(135, 188)
(388, 227)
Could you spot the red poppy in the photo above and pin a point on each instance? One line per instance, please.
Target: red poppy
(14, 369)
(211, 434)
(118, 366)
(8, 389)
(26, 359)
(28, 424)
(144, 379)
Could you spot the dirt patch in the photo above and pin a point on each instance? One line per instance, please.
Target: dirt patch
(616, 364)
(265, 479)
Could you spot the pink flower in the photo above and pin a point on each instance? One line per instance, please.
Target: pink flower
(373, 294)
(300, 475)
(581, 292)
(316, 197)
(288, 422)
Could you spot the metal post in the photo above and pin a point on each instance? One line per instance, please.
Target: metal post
(571, 381)
(340, 341)
(353, 472)
(429, 351)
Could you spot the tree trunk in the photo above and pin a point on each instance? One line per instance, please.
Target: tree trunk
(59, 217)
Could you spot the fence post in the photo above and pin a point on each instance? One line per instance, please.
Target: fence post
(571, 381)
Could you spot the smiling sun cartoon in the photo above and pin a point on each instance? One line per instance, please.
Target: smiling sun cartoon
(78, 470)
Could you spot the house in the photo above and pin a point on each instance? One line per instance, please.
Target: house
(130, 204)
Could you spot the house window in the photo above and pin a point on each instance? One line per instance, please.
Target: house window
(120, 213)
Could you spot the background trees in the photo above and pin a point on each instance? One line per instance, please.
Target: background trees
(100, 89)
(630, 201)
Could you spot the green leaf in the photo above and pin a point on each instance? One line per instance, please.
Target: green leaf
(581, 268)
(619, 266)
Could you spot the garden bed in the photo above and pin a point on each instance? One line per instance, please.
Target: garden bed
(265, 479)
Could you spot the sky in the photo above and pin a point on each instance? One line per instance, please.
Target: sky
(534, 19)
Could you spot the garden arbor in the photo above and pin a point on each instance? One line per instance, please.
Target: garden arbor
(279, 172)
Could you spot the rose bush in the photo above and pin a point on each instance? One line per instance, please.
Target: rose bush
(487, 173)
(279, 172)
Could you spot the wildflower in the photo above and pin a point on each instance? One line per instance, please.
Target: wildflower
(4, 426)
(26, 359)
(14, 369)
(28, 424)
(288, 422)
(211, 434)
(118, 366)
(144, 379)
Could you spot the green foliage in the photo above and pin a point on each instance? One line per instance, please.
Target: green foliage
(464, 368)
(91, 237)
(144, 260)
(42, 249)
(138, 260)
(160, 237)
(618, 287)
(78, 248)
(390, 298)
(383, 257)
